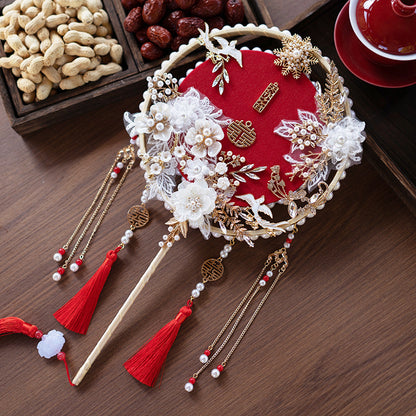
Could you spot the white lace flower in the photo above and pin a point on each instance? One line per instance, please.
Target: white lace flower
(179, 152)
(196, 169)
(344, 141)
(155, 169)
(165, 156)
(204, 138)
(192, 202)
(156, 123)
(223, 183)
(221, 168)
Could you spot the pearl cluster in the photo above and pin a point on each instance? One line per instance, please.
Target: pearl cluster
(126, 237)
(117, 170)
(166, 239)
(198, 289)
(160, 87)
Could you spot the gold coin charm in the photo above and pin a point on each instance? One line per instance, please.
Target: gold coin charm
(138, 216)
(211, 270)
(241, 134)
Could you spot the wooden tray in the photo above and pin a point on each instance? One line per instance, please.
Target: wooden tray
(27, 118)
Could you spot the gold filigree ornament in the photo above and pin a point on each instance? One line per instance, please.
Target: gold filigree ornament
(241, 134)
(266, 96)
(296, 56)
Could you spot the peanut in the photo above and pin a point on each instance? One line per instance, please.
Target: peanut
(32, 11)
(79, 37)
(43, 34)
(83, 27)
(13, 6)
(38, 3)
(101, 31)
(47, 8)
(36, 78)
(55, 20)
(43, 90)
(17, 45)
(26, 85)
(36, 65)
(7, 48)
(64, 59)
(85, 15)
(53, 53)
(77, 50)
(32, 42)
(28, 97)
(76, 66)
(35, 24)
(25, 4)
(93, 5)
(12, 61)
(23, 20)
(52, 74)
(16, 71)
(116, 53)
(98, 40)
(101, 71)
(102, 49)
(62, 29)
(45, 45)
(98, 19)
(71, 82)
(70, 3)
(71, 11)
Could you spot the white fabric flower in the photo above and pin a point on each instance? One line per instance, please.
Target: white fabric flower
(165, 156)
(156, 123)
(344, 141)
(204, 138)
(179, 152)
(221, 168)
(155, 169)
(223, 183)
(196, 169)
(192, 201)
(51, 344)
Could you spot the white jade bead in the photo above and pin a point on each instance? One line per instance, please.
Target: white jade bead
(215, 373)
(129, 233)
(57, 256)
(262, 282)
(189, 387)
(56, 276)
(196, 293)
(200, 286)
(269, 273)
(74, 267)
(203, 358)
(124, 240)
(113, 175)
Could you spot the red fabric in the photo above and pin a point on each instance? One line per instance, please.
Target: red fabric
(245, 87)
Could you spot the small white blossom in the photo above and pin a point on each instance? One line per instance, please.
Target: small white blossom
(179, 152)
(204, 138)
(223, 183)
(344, 141)
(192, 202)
(196, 169)
(156, 123)
(221, 168)
(155, 169)
(165, 156)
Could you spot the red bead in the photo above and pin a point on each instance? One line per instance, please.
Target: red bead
(288, 240)
(220, 368)
(61, 270)
(60, 356)
(79, 262)
(207, 353)
(192, 380)
(134, 137)
(117, 170)
(38, 334)
(266, 278)
(61, 251)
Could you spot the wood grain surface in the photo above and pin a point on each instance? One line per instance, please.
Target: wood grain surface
(336, 337)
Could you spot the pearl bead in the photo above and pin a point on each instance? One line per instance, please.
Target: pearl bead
(169, 244)
(160, 243)
(262, 282)
(160, 126)
(120, 165)
(215, 373)
(165, 237)
(269, 273)
(159, 116)
(177, 238)
(74, 267)
(291, 236)
(286, 245)
(189, 387)
(223, 254)
(124, 240)
(113, 175)
(129, 233)
(56, 277)
(228, 248)
(200, 286)
(195, 293)
(57, 257)
(203, 358)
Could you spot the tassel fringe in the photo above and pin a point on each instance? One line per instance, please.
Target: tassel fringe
(77, 313)
(146, 364)
(14, 325)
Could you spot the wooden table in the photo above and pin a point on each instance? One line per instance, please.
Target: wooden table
(336, 338)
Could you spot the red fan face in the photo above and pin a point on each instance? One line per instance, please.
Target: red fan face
(245, 87)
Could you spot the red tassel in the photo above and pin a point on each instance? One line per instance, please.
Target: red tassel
(76, 314)
(13, 325)
(146, 364)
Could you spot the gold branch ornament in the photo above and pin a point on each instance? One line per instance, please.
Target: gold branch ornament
(203, 199)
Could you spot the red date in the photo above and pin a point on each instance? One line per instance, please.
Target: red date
(141, 35)
(188, 26)
(153, 11)
(185, 4)
(171, 5)
(150, 51)
(170, 22)
(133, 21)
(130, 4)
(159, 36)
(216, 22)
(234, 12)
(178, 41)
(207, 8)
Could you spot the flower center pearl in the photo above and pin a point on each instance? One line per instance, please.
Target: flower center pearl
(160, 126)
(194, 203)
(159, 116)
(208, 142)
(199, 138)
(206, 132)
(150, 122)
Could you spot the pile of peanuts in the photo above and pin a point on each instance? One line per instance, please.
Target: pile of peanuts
(164, 25)
(57, 44)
